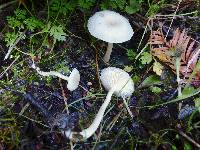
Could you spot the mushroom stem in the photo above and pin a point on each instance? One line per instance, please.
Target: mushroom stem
(106, 58)
(73, 79)
(86, 133)
(52, 73)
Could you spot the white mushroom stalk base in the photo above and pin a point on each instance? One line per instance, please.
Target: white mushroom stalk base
(86, 133)
(106, 58)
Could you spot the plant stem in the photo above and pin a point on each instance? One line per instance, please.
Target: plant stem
(178, 59)
(128, 109)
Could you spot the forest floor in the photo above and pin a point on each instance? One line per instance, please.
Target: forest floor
(34, 109)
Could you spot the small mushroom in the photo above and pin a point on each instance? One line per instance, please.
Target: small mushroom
(110, 27)
(116, 81)
(73, 79)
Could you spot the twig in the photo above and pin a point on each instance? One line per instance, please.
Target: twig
(189, 138)
(1, 75)
(14, 44)
(174, 15)
(173, 19)
(143, 49)
(7, 4)
(116, 139)
(97, 65)
(145, 30)
(66, 107)
(64, 97)
(178, 59)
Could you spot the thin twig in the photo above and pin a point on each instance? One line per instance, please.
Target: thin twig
(189, 138)
(97, 66)
(173, 19)
(1, 75)
(66, 107)
(14, 44)
(145, 30)
(64, 97)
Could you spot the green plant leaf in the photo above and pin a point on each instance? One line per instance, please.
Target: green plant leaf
(86, 4)
(131, 54)
(145, 58)
(155, 89)
(13, 23)
(151, 80)
(57, 33)
(133, 7)
(197, 103)
(10, 38)
(20, 14)
(33, 23)
(157, 68)
(120, 4)
(188, 90)
(187, 146)
(128, 68)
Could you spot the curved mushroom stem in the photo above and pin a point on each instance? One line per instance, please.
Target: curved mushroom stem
(52, 73)
(106, 57)
(86, 133)
(73, 79)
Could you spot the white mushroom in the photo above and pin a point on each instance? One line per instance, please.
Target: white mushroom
(73, 79)
(110, 27)
(116, 81)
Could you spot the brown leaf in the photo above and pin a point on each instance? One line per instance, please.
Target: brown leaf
(181, 45)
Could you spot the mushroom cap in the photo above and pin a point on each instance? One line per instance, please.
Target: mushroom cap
(73, 80)
(110, 26)
(117, 80)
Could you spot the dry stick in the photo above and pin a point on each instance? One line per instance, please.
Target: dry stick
(145, 30)
(1, 75)
(64, 97)
(116, 138)
(114, 120)
(173, 18)
(174, 15)
(178, 59)
(66, 107)
(14, 44)
(97, 66)
(189, 139)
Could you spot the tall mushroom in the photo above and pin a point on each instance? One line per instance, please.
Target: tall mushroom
(116, 81)
(110, 27)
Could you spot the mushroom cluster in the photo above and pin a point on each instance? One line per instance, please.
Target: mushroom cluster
(115, 81)
(110, 27)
